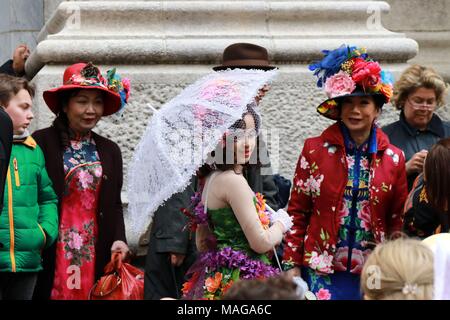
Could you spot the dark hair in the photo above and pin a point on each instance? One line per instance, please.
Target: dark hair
(10, 86)
(437, 175)
(377, 98)
(274, 288)
(206, 169)
(61, 122)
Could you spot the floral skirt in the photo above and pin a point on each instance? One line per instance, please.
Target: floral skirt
(336, 286)
(215, 272)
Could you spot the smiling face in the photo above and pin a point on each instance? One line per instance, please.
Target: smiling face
(358, 114)
(419, 107)
(84, 110)
(19, 110)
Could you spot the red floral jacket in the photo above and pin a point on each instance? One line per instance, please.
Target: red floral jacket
(318, 191)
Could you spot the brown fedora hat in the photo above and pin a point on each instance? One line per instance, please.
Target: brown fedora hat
(245, 56)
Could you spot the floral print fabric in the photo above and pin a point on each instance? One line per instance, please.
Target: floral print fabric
(355, 238)
(75, 248)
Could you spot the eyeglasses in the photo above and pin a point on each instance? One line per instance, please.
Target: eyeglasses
(422, 104)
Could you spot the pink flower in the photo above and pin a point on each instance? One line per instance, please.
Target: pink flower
(350, 162)
(364, 215)
(127, 87)
(85, 179)
(76, 241)
(303, 163)
(341, 259)
(364, 163)
(76, 145)
(366, 73)
(339, 84)
(323, 294)
(98, 172)
(358, 259)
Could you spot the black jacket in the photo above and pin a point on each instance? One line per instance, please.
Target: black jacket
(421, 219)
(412, 140)
(7, 68)
(6, 138)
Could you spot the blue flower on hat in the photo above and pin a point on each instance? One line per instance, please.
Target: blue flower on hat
(387, 77)
(331, 63)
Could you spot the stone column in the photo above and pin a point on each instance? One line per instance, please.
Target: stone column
(163, 46)
(20, 22)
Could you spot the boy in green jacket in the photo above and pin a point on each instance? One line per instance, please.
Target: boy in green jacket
(29, 218)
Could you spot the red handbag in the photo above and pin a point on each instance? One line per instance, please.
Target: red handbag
(121, 281)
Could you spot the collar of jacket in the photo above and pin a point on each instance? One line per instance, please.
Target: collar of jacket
(333, 135)
(435, 126)
(28, 141)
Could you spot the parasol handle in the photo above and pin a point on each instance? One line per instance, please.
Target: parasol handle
(274, 250)
(152, 108)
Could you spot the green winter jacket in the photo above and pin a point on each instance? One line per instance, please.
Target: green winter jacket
(29, 219)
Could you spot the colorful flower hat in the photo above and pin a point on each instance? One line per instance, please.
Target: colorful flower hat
(346, 72)
(88, 76)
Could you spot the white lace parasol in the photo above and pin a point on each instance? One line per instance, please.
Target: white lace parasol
(180, 135)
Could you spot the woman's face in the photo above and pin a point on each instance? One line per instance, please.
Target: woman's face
(419, 107)
(245, 141)
(84, 110)
(358, 114)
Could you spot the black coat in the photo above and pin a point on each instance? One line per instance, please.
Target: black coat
(6, 138)
(170, 235)
(7, 68)
(110, 220)
(421, 219)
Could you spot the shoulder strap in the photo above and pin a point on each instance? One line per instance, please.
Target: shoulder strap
(213, 175)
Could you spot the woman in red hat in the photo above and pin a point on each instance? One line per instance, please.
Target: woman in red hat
(86, 171)
(350, 182)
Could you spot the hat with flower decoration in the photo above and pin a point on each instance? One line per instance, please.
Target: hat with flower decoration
(347, 72)
(88, 76)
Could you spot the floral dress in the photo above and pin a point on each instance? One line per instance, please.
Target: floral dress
(229, 257)
(355, 239)
(75, 248)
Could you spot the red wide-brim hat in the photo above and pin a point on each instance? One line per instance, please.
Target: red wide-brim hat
(83, 76)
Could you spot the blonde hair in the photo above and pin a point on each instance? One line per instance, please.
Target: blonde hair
(401, 269)
(416, 77)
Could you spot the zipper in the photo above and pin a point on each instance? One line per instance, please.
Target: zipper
(43, 233)
(16, 172)
(11, 221)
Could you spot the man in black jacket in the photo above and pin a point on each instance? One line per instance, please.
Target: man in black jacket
(6, 137)
(172, 247)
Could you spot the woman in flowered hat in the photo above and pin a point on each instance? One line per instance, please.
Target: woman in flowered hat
(86, 171)
(350, 182)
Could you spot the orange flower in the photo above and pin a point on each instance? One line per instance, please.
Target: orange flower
(387, 91)
(227, 286)
(212, 284)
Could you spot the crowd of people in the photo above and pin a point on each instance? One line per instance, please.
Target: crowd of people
(356, 223)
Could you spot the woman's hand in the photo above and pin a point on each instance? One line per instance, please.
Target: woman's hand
(122, 247)
(415, 164)
(284, 218)
(176, 259)
(20, 56)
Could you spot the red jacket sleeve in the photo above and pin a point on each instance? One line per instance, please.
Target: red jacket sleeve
(400, 190)
(300, 208)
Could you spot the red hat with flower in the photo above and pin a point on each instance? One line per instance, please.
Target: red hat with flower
(88, 76)
(348, 71)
